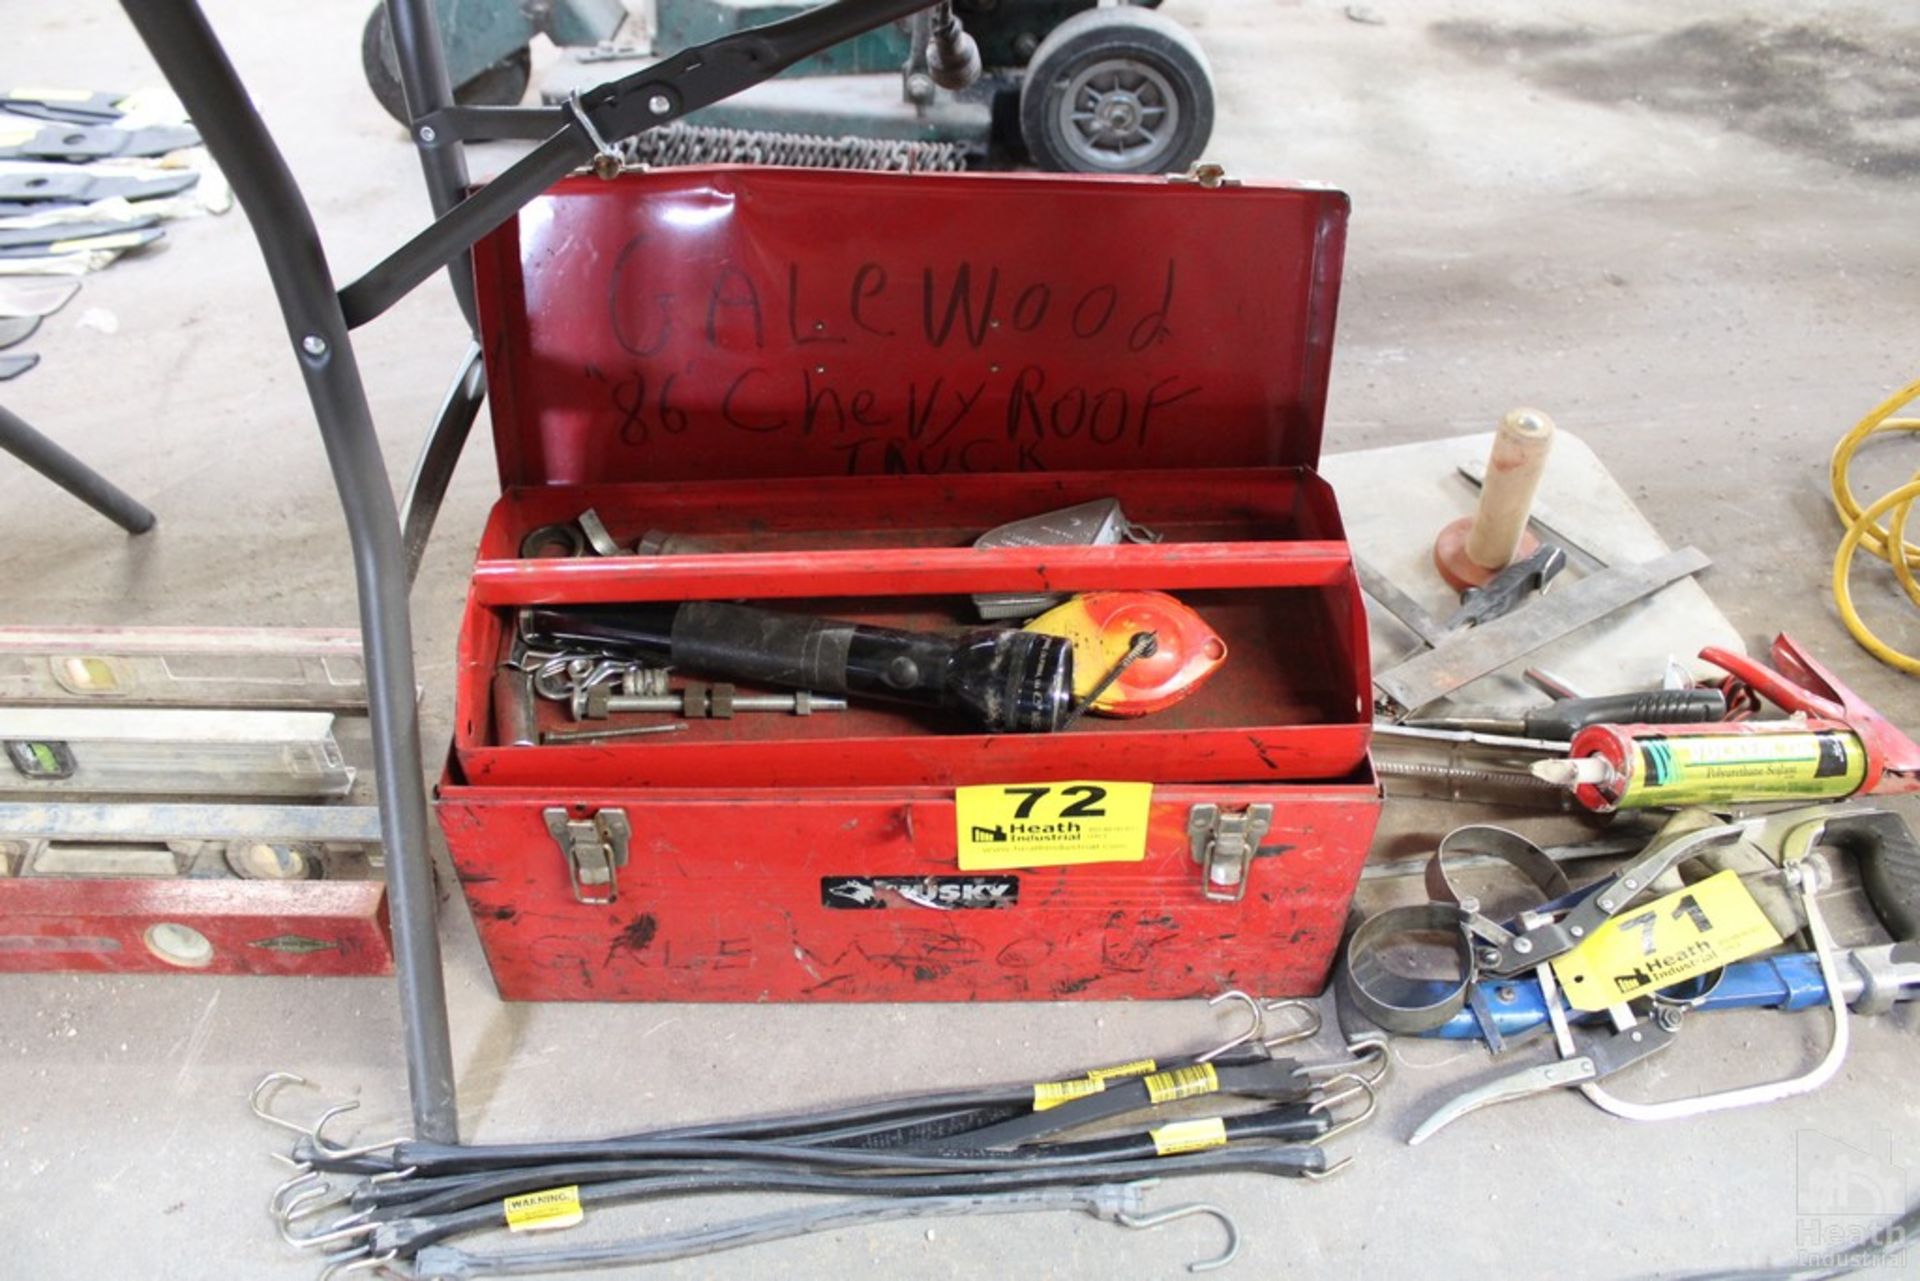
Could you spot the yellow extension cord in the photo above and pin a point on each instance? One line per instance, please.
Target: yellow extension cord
(1888, 541)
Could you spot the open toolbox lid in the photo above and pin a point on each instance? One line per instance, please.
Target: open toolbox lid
(743, 323)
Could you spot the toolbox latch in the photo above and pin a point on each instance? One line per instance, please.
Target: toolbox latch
(1205, 173)
(595, 849)
(1223, 842)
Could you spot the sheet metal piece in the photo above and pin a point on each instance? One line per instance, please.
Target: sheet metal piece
(17, 329)
(77, 144)
(20, 296)
(26, 192)
(1430, 676)
(39, 238)
(1383, 591)
(64, 106)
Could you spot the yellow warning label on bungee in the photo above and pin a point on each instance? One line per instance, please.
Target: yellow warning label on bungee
(1051, 1094)
(1667, 941)
(1006, 825)
(1183, 1083)
(539, 1211)
(1139, 1067)
(1189, 1136)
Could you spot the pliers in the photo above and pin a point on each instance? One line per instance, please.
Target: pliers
(1598, 1060)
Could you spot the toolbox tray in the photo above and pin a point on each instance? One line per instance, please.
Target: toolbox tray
(1256, 552)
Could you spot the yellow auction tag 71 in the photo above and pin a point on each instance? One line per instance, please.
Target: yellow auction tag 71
(1665, 942)
(1051, 824)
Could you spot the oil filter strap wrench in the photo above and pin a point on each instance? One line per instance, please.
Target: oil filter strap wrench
(1835, 745)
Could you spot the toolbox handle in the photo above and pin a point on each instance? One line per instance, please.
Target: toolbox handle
(911, 572)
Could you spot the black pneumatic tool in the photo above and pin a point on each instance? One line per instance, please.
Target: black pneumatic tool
(1002, 678)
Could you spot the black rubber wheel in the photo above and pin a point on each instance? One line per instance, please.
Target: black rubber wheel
(1117, 90)
(503, 84)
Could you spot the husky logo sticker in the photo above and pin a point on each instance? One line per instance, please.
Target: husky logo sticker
(941, 893)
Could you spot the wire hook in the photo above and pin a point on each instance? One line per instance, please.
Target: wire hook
(315, 1201)
(1254, 1027)
(1309, 1029)
(270, 1084)
(1168, 1215)
(1359, 1054)
(346, 1230)
(304, 1174)
(361, 1260)
(272, 1081)
(1362, 1086)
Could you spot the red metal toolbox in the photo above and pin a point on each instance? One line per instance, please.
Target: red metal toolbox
(834, 383)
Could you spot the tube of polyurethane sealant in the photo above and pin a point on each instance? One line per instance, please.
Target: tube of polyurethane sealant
(1611, 767)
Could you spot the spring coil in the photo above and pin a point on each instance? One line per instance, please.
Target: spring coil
(685, 144)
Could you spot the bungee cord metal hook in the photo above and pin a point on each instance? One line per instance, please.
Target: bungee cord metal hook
(1361, 1085)
(361, 1260)
(270, 1084)
(1255, 1026)
(346, 1230)
(314, 1134)
(1309, 1028)
(1359, 1054)
(1158, 1218)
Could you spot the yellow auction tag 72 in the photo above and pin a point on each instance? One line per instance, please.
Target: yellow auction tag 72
(1665, 942)
(1051, 824)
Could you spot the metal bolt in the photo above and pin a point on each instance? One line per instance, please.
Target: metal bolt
(604, 735)
(1505, 995)
(1606, 905)
(314, 345)
(1578, 931)
(1489, 956)
(1523, 946)
(427, 134)
(601, 703)
(1631, 884)
(659, 104)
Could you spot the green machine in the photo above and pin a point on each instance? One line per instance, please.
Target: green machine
(1065, 85)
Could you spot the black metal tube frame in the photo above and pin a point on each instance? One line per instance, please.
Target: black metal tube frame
(319, 321)
(18, 437)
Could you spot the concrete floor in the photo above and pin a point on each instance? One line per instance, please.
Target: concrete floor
(1691, 236)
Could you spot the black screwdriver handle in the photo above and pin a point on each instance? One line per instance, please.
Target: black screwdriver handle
(1560, 722)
